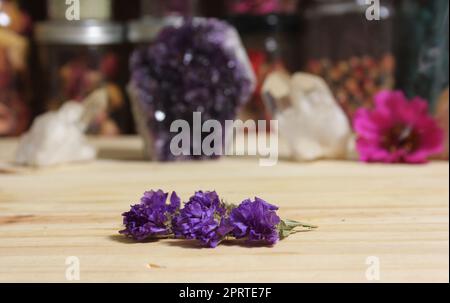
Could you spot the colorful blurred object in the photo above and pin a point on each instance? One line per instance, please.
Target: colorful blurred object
(262, 7)
(355, 56)
(442, 117)
(14, 111)
(79, 57)
(77, 80)
(397, 130)
(13, 18)
(262, 67)
(355, 81)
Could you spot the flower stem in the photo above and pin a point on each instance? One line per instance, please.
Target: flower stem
(288, 227)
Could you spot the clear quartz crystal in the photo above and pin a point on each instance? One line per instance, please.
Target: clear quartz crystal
(309, 118)
(57, 137)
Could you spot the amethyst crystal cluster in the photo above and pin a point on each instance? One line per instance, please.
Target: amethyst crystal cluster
(207, 219)
(199, 66)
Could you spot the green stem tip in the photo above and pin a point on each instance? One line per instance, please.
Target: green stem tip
(288, 227)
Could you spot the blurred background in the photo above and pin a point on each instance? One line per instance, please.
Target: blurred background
(46, 60)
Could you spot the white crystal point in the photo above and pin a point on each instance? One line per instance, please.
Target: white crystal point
(58, 137)
(310, 120)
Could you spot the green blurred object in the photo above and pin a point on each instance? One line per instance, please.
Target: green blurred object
(423, 51)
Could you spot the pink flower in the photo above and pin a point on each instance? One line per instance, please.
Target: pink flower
(397, 130)
(256, 7)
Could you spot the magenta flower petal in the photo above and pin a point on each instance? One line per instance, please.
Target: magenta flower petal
(397, 130)
(365, 125)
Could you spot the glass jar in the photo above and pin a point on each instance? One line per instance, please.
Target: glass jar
(14, 73)
(78, 57)
(155, 15)
(158, 8)
(423, 56)
(144, 30)
(353, 55)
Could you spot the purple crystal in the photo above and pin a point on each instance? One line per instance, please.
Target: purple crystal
(199, 66)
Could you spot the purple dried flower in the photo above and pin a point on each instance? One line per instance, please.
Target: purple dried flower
(152, 217)
(256, 221)
(199, 66)
(209, 200)
(202, 218)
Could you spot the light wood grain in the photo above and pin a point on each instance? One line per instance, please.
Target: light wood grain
(395, 212)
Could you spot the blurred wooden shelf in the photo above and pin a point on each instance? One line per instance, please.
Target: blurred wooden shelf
(397, 213)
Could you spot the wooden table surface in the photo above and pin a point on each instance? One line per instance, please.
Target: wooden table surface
(398, 214)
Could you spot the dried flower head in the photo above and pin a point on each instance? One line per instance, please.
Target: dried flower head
(151, 217)
(256, 221)
(207, 219)
(202, 218)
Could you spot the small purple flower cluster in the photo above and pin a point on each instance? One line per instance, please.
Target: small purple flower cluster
(256, 220)
(150, 218)
(202, 218)
(205, 218)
